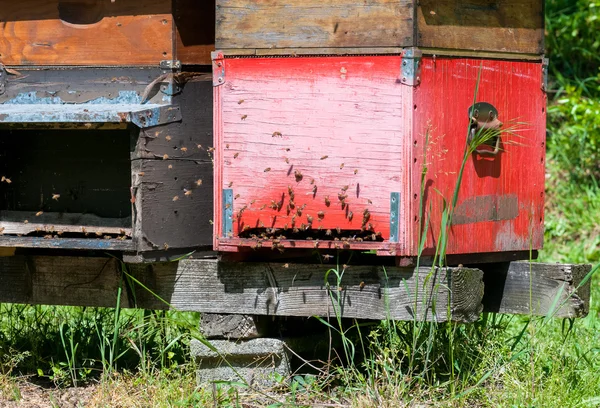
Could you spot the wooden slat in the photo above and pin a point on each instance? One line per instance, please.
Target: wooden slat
(486, 25)
(277, 289)
(313, 23)
(80, 32)
(25, 222)
(552, 288)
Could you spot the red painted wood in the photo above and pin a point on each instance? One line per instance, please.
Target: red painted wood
(516, 174)
(278, 116)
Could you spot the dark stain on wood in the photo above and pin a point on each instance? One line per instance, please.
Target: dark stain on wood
(486, 208)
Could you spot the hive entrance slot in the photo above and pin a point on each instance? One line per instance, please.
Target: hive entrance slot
(65, 183)
(303, 234)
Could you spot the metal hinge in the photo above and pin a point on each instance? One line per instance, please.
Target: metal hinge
(410, 69)
(156, 116)
(218, 65)
(545, 63)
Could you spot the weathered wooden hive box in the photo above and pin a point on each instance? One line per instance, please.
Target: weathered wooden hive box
(335, 119)
(106, 124)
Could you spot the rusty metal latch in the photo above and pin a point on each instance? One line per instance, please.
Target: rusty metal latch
(484, 118)
(410, 67)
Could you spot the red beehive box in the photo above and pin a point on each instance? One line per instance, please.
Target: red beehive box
(328, 152)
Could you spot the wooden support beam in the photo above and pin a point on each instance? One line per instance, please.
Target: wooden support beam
(537, 288)
(278, 289)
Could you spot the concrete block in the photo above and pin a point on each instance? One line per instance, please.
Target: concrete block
(231, 326)
(255, 360)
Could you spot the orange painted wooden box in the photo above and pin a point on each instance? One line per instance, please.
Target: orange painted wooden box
(319, 150)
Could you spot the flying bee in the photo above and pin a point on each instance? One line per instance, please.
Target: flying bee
(252, 202)
(244, 117)
(350, 216)
(55, 197)
(49, 236)
(37, 214)
(321, 215)
(168, 138)
(298, 176)
(227, 206)
(299, 211)
(290, 192)
(199, 182)
(346, 245)
(328, 232)
(338, 230)
(287, 160)
(187, 192)
(184, 149)
(295, 230)
(309, 219)
(327, 257)
(362, 285)
(236, 197)
(374, 237)
(277, 134)
(314, 190)
(170, 166)
(98, 233)
(345, 188)
(262, 207)
(316, 244)
(165, 156)
(175, 198)
(211, 149)
(141, 174)
(286, 265)
(240, 101)
(235, 156)
(342, 196)
(341, 166)
(324, 157)
(267, 169)
(287, 149)
(165, 246)
(369, 201)
(355, 171)
(227, 146)
(6, 179)
(312, 181)
(327, 202)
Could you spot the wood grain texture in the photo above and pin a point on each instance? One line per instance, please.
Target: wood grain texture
(500, 205)
(173, 204)
(314, 23)
(486, 25)
(78, 32)
(329, 131)
(210, 286)
(12, 222)
(554, 289)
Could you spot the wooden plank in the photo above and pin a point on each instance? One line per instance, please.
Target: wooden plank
(250, 288)
(277, 289)
(172, 174)
(314, 23)
(23, 222)
(173, 204)
(510, 287)
(80, 32)
(486, 25)
(300, 290)
(195, 31)
(58, 242)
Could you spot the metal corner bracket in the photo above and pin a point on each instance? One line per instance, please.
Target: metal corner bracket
(410, 67)
(394, 217)
(227, 210)
(218, 66)
(545, 63)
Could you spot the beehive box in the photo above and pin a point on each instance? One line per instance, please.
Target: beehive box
(106, 125)
(324, 126)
